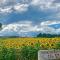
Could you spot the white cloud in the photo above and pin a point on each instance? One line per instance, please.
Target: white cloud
(46, 23)
(7, 6)
(25, 27)
(21, 28)
(47, 29)
(17, 8)
(18, 27)
(46, 5)
(2, 1)
(21, 7)
(6, 10)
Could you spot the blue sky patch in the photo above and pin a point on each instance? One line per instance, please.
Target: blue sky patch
(30, 16)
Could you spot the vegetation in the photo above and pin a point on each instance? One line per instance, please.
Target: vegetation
(0, 26)
(58, 45)
(48, 35)
(45, 43)
(29, 53)
(25, 48)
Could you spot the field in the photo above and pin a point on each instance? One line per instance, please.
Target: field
(19, 42)
(25, 48)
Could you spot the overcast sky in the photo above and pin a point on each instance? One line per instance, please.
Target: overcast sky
(29, 17)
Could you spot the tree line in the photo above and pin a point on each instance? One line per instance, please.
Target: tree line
(48, 35)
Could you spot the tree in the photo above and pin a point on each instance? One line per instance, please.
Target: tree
(0, 26)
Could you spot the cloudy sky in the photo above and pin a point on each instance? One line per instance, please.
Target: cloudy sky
(29, 17)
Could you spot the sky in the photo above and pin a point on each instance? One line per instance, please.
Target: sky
(29, 17)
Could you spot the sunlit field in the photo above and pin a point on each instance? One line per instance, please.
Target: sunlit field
(19, 42)
(25, 48)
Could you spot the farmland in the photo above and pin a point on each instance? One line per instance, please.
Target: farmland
(19, 42)
(25, 48)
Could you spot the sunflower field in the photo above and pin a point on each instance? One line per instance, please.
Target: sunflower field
(25, 48)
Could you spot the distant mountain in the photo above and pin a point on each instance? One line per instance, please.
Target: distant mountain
(48, 35)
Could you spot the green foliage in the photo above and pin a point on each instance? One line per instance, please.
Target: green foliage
(57, 45)
(29, 52)
(0, 26)
(48, 35)
(23, 53)
(7, 54)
